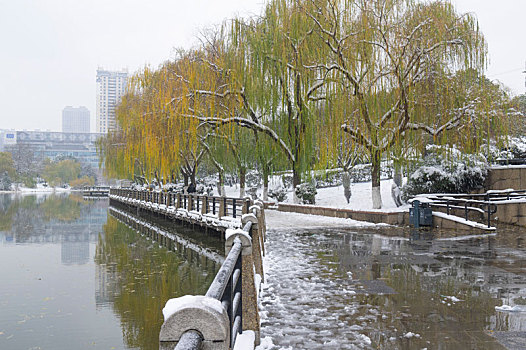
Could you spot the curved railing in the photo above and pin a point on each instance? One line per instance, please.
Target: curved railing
(213, 320)
(220, 206)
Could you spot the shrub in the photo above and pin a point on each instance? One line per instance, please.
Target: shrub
(5, 182)
(278, 193)
(81, 182)
(306, 192)
(253, 178)
(446, 171)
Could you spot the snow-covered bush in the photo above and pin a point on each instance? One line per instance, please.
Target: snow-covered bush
(5, 182)
(362, 172)
(278, 193)
(515, 148)
(286, 179)
(447, 171)
(306, 192)
(253, 178)
(327, 178)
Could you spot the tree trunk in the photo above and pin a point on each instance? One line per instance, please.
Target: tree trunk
(192, 176)
(346, 181)
(296, 180)
(265, 186)
(397, 176)
(376, 157)
(185, 178)
(242, 174)
(221, 185)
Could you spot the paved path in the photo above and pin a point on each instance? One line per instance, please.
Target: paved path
(351, 287)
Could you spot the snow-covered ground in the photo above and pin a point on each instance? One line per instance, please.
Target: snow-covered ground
(300, 306)
(38, 189)
(282, 220)
(333, 196)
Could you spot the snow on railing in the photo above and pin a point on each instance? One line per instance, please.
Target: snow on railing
(229, 306)
(217, 317)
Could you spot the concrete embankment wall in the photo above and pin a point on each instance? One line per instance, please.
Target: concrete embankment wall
(504, 177)
(513, 213)
(392, 218)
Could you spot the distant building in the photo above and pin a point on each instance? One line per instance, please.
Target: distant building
(111, 86)
(75, 119)
(7, 138)
(52, 145)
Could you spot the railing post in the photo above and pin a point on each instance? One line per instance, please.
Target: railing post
(246, 205)
(257, 241)
(222, 209)
(466, 210)
(204, 206)
(489, 212)
(214, 205)
(195, 313)
(233, 207)
(250, 314)
(178, 201)
(190, 202)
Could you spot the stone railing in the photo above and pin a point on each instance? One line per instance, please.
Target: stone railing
(229, 308)
(220, 206)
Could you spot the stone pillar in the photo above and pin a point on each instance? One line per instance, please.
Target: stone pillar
(195, 313)
(222, 208)
(204, 205)
(249, 301)
(246, 205)
(256, 242)
(178, 203)
(190, 202)
(261, 218)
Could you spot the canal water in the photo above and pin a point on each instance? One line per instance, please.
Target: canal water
(74, 277)
(391, 288)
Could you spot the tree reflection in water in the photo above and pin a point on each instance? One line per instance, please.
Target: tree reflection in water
(143, 276)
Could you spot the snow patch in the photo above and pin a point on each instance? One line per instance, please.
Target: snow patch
(245, 341)
(409, 335)
(508, 308)
(176, 304)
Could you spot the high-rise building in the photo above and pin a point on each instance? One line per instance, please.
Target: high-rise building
(75, 119)
(111, 86)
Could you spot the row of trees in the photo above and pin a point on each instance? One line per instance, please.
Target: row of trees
(311, 84)
(23, 167)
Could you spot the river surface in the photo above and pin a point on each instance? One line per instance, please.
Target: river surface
(74, 277)
(392, 288)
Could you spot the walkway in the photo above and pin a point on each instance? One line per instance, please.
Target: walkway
(351, 287)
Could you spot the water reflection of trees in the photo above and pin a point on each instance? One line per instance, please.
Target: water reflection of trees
(482, 272)
(143, 277)
(21, 214)
(51, 217)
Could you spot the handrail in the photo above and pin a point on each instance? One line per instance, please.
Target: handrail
(217, 316)
(485, 207)
(227, 288)
(220, 206)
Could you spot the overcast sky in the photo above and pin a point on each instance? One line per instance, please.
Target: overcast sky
(50, 49)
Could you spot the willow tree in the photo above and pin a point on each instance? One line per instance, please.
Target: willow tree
(152, 140)
(380, 52)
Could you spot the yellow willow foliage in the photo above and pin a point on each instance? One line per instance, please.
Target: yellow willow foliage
(391, 71)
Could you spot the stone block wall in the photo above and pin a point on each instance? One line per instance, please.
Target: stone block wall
(504, 177)
(392, 218)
